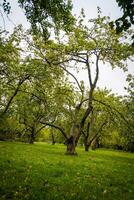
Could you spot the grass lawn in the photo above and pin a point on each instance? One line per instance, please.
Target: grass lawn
(42, 172)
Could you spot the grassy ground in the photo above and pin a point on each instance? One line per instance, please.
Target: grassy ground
(43, 172)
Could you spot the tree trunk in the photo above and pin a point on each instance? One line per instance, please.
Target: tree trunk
(94, 144)
(53, 139)
(32, 138)
(86, 146)
(71, 146)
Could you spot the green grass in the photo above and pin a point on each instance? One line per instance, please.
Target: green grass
(43, 172)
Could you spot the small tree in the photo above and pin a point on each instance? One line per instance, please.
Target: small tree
(12, 72)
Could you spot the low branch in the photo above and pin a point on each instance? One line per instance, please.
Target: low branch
(107, 105)
(120, 114)
(40, 129)
(55, 126)
(14, 94)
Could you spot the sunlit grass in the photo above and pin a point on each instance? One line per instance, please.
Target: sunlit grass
(43, 172)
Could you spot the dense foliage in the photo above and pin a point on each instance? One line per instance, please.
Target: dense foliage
(127, 18)
(44, 15)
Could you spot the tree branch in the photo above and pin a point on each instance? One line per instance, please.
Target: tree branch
(97, 72)
(73, 78)
(107, 105)
(55, 126)
(40, 129)
(89, 72)
(21, 81)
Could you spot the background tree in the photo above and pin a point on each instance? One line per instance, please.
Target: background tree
(128, 134)
(12, 72)
(96, 122)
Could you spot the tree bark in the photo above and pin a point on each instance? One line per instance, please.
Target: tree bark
(32, 138)
(86, 147)
(71, 146)
(53, 139)
(87, 144)
(95, 143)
